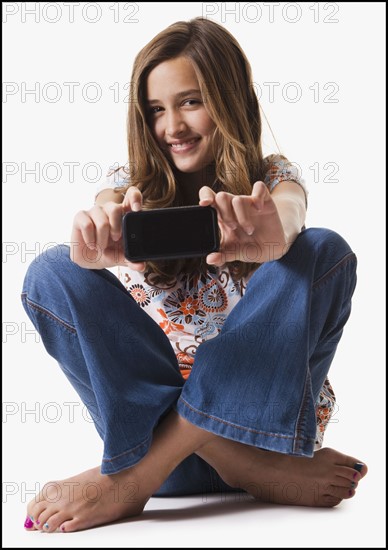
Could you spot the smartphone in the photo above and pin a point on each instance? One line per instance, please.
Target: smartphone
(170, 233)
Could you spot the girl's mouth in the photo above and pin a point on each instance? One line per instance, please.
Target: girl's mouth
(183, 146)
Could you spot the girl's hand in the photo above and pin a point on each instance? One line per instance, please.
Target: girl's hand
(96, 239)
(251, 230)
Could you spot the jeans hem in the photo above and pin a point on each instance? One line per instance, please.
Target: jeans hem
(280, 443)
(126, 459)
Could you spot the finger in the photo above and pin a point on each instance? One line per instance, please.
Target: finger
(102, 227)
(115, 215)
(136, 266)
(116, 255)
(133, 200)
(225, 209)
(119, 259)
(206, 196)
(259, 195)
(112, 256)
(83, 224)
(215, 258)
(242, 207)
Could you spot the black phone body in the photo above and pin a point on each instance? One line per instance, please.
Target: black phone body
(170, 233)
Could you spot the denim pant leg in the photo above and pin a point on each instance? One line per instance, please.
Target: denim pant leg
(116, 357)
(258, 381)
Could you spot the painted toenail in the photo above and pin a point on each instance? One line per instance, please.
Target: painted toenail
(32, 518)
(358, 466)
(353, 484)
(350, 493)
(46, 525)
(62, 528)
(28, 523)
(37, 522)
(354, 475)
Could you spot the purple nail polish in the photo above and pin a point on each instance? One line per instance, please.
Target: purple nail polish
(37, 522)
(350, 493)
(28, 523)
(354, 475)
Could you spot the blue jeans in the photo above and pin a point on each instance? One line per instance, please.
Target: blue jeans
(257, 382)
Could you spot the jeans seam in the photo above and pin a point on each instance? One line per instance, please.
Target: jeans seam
(243, 428)
(302, 411)
(48, 314)
(131, 451)
(340, 264)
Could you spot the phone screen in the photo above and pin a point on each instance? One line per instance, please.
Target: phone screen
(169, 233)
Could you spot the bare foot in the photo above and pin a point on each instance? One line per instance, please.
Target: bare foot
(324, 480)
(92, 499)
(89, 499)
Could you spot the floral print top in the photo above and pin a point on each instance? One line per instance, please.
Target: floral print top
(192, 308)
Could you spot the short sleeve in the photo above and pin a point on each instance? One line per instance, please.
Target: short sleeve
(116, 177)
(277, 168)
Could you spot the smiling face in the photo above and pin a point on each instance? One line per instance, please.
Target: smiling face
(177, 115)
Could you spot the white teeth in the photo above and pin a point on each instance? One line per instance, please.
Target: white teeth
(181, 145)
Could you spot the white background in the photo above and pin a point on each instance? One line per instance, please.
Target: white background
(341, 55)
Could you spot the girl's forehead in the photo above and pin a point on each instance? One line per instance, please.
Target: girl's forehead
(178, 66)
(173, 74)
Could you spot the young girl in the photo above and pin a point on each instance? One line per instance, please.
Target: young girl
(203, 374)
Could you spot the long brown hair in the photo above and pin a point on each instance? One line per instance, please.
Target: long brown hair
(225, 80)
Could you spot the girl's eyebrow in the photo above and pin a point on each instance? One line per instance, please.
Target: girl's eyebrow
(178, 95)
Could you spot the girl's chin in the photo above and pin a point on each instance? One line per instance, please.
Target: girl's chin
(187, 168)
(191, 167)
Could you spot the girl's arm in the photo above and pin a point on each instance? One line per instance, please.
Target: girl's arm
(108, 195)
(290, 201)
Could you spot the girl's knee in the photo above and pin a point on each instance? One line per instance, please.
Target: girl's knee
(48, 265)
(319, 249)
(325, 244)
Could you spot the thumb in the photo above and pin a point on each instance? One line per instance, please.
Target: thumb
(206, 196)
(121, 260)
(215, 258)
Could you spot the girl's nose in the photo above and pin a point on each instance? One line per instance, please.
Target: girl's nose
(175, 125)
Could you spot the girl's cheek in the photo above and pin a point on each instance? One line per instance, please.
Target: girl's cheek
(154, 127)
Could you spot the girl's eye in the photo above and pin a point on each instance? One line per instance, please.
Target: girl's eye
(191, 102)
(154, 110)
(186, 103)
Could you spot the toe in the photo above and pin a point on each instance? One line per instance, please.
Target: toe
(346, 482)
(29, 524)
(341, 492)
(54, 522)
(34, 510)
(70, 526)
(44, 518)
(361, 468)
(330, 501)
(347, 473)
(352, 463)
